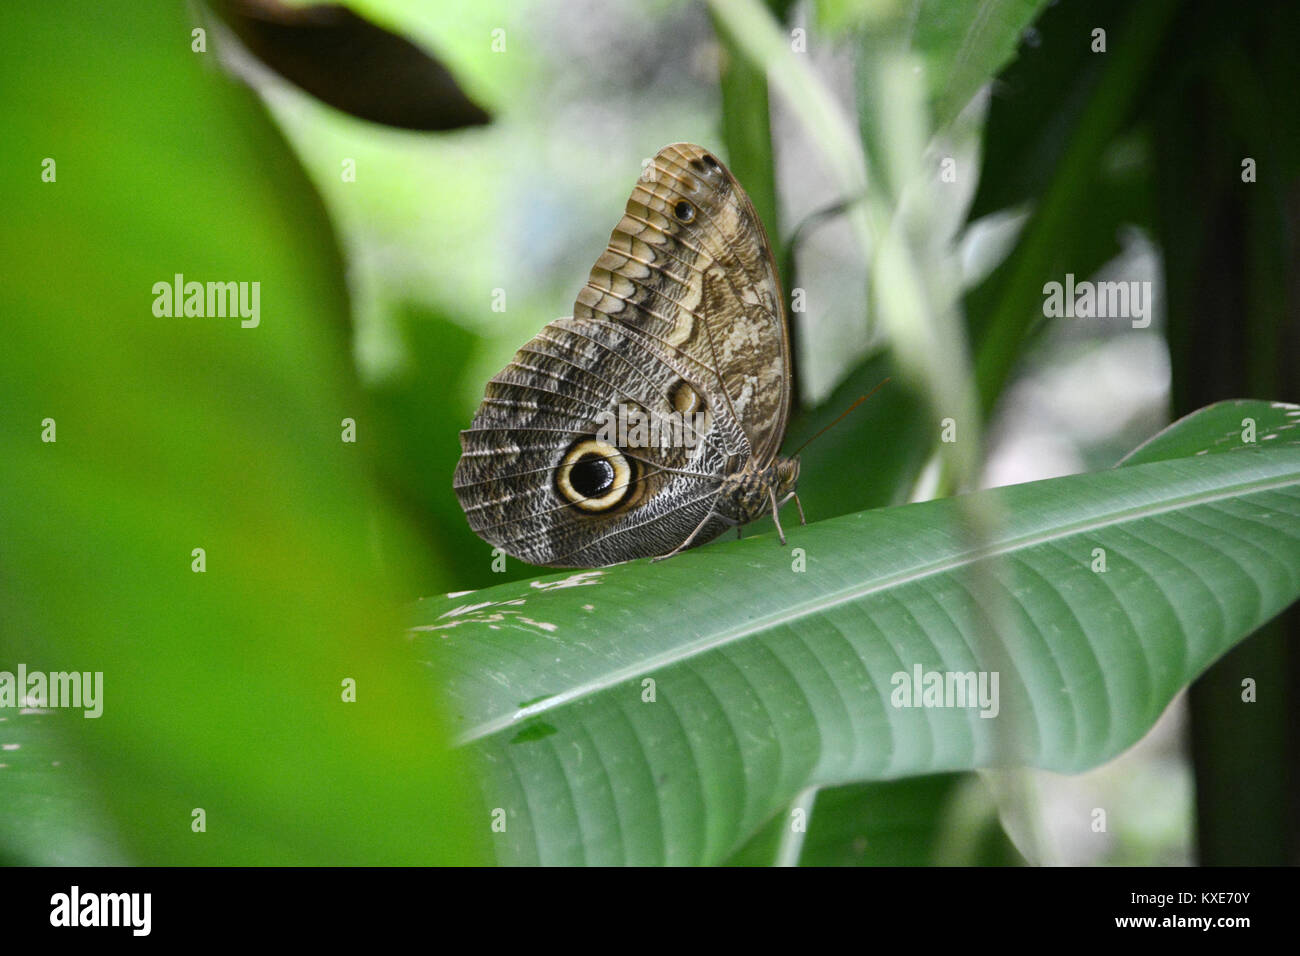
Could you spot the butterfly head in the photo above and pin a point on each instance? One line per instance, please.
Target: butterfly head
(785, 477)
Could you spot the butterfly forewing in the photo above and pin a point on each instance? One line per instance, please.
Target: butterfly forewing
(705, 288)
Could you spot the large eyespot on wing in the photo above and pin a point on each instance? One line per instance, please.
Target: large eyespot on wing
(539, 477)
(594, 476)
(689, 267)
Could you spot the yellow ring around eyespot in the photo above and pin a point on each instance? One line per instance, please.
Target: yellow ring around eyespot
(685, 400)
(622, 475)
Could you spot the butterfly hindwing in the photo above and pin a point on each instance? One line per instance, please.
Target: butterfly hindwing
(546, 407)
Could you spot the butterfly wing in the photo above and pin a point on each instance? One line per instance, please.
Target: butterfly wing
(542, 477)
(681, 322)
(690, 267)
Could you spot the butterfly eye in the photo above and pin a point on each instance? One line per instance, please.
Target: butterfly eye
(684, 211)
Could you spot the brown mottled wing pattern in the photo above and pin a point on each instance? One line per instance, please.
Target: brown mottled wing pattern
(706, 291)
(681, 313)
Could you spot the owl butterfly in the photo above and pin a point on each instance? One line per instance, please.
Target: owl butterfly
(649, 421)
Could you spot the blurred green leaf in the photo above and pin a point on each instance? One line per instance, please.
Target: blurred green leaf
(962, 45)
(965, 45)
(416, 447)
(913, 289)
(940, 819)
(747, 132)
(872, 457)
(1055, 112)
(223, 689)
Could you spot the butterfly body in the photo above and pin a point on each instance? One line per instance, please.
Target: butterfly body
(750, 493)
(649, 420)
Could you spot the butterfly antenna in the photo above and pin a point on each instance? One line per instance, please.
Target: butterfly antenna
(843, 415)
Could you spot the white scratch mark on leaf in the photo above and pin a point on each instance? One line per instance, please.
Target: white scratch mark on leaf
(581, 579)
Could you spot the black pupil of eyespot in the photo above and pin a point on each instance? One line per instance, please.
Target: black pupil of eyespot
(711, 162)
(684, 212)
(591, 476)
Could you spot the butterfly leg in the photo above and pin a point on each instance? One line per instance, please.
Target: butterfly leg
(797, 503)
(776, 517)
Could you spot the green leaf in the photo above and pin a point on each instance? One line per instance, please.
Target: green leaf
(747, 133)
(1236, 425)
(941, 819)
(53, 813)
(768, 680)
(963, 45)
(966, 44)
